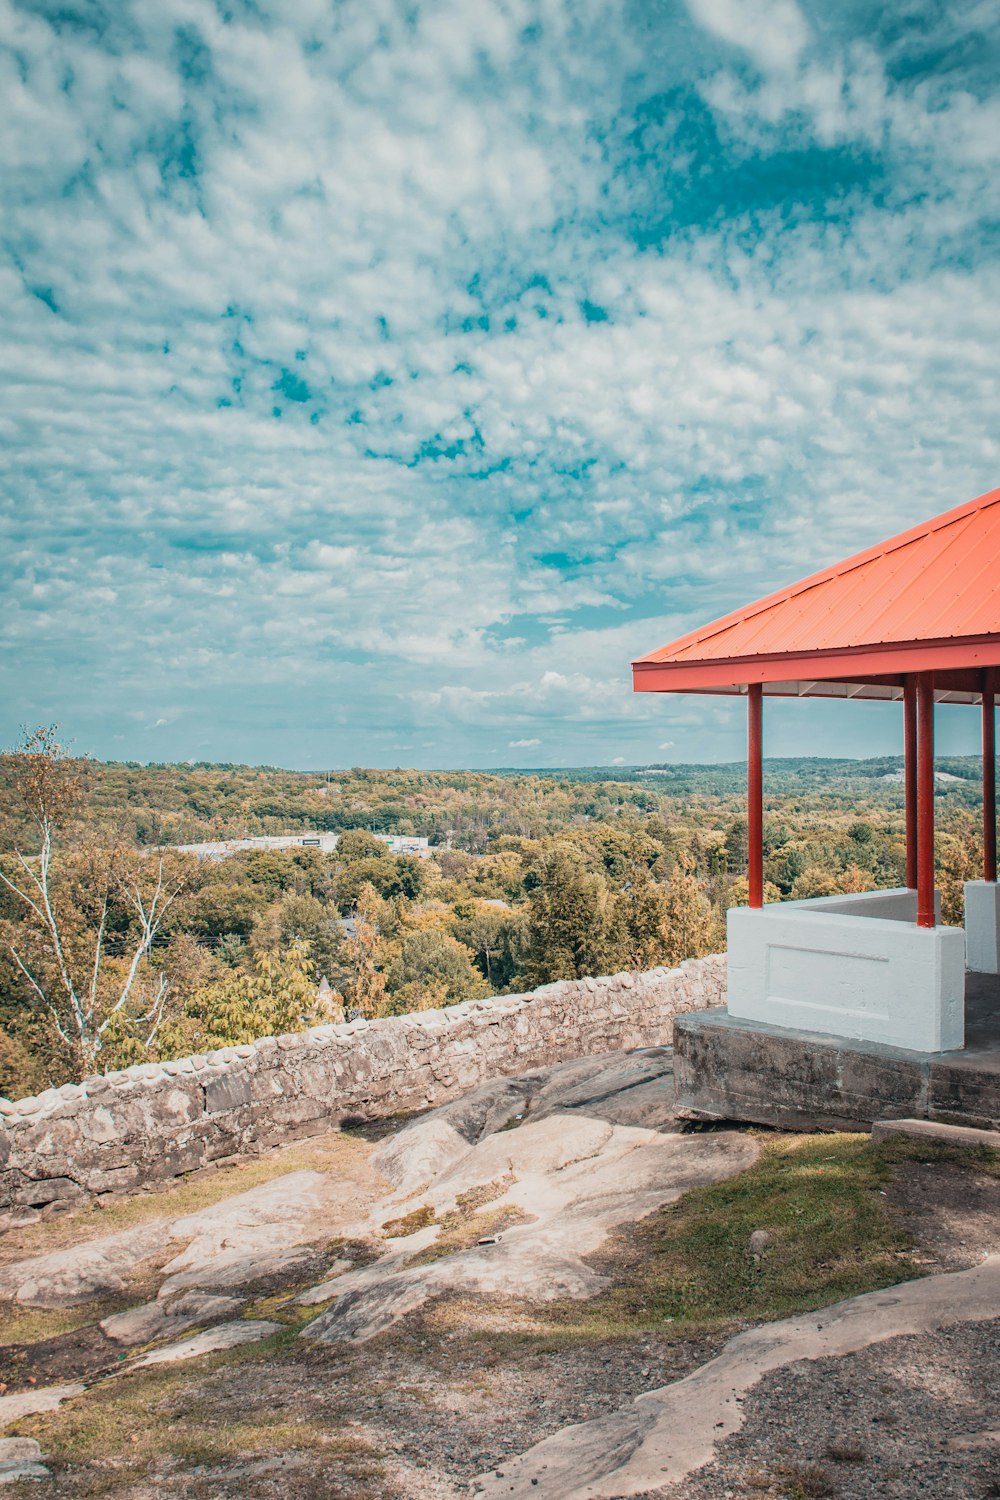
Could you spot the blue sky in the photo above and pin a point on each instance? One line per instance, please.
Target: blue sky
(383, 377)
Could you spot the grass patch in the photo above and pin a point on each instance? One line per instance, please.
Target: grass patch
(832, 1236)
(845, 1453)
(282, 1306)
(461, 1230)
(24, 1326)
(150, 1416)
(900, 1148)
(803, 1481)
(358, 1252)
(420, 1218)
(34, 1325)
(687, 1269)
(486, 1192)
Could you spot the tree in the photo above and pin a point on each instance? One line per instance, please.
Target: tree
(364, 993)
(625, 851)
(432, 959)
(302, 919)
(567, 918)
(395, 875)
(358, 843)
(224, 907)
(687, 921)
(22, 1061)
(638, 926)
(739, 892)
(737, 846)
(278, 994)
(493, 934)
(499, 876)
(960, 858)
(88, 921)
(815, 881)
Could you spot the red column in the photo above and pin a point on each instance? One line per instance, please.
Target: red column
(925, 799)
(989, 779)
(755, 792)
(910, 777)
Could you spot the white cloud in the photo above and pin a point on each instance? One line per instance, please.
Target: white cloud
(500, 503)
(774, 32)
(522, 744)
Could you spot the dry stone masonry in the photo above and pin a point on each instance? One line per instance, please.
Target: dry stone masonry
(121, 1131)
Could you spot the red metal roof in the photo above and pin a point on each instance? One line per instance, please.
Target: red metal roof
(925, 600)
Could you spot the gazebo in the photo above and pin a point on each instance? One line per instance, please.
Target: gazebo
(915, 619)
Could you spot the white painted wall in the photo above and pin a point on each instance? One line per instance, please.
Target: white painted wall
(898, 904)
(814, 967)
(982, 926)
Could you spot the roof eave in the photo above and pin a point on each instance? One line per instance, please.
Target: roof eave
(885, 661)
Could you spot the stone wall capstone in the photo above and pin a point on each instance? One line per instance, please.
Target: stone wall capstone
(126, 1130)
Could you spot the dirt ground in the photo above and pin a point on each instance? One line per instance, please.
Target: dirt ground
(464, 1383)
(952, 1212)
(905, 1418)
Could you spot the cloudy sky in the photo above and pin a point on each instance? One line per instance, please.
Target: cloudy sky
(382, 377)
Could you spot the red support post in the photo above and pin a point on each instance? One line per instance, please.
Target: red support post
(910, 777)
(989, 778)
(925, 799)
(755, 793)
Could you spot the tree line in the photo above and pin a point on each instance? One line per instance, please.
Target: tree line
(116, 949)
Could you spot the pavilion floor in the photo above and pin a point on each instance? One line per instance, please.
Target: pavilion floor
(728, 1069)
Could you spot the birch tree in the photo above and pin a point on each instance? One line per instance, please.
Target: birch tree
(87, 919)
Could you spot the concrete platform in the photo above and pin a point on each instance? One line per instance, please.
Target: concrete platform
(730, 1069)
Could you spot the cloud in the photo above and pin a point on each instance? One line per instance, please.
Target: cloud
(382, 378)
(666, 745)
(774, 32)
(522, 744)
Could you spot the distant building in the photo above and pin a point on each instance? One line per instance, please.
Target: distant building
(326, 843)
(938, 776)
(405, 843)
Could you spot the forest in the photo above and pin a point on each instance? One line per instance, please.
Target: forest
(116, 948)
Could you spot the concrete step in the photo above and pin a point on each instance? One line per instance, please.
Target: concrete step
(932, 1130)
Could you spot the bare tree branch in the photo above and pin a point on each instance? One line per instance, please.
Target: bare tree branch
(40, 993)
(48, 788)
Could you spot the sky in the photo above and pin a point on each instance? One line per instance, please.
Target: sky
(382, 378)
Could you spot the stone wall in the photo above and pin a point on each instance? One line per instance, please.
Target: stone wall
(131, 1129)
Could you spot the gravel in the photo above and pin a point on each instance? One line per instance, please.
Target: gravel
(914, 1416)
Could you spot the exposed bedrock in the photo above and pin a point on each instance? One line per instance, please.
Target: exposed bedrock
(573, 1168)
